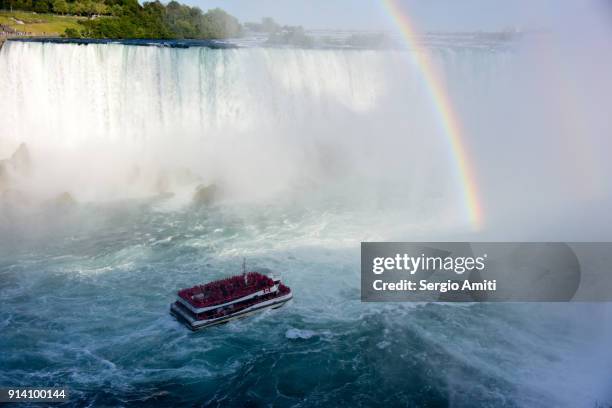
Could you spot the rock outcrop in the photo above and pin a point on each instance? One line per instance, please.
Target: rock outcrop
(168, 181)
(205, 195)
(19, 164)
(64, 200)
(4, 178)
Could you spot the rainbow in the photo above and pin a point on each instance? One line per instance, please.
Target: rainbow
(440, 98)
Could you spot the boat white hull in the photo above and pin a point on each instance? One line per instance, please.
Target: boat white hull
(262, 292)
(195, 324)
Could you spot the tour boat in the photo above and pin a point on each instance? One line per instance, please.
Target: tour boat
(227, 299)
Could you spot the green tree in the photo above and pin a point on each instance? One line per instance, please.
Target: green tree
(116, 10)
(130, 19)
(41, 6)
(23, 4)
(71, 33)
(75, 8)
(268, 25)
(101, 9)
(88, 8)
(216, 24)
(60, 6)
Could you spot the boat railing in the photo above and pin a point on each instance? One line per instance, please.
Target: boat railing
(226, 289)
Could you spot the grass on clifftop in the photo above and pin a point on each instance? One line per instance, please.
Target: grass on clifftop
(39, 24)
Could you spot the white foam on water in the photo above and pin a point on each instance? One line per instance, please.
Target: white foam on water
(304, 334)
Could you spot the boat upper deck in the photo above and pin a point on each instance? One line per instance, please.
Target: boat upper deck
(225, 290)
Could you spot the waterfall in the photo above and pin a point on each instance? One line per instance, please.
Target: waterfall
(112, 121)
(260, 121)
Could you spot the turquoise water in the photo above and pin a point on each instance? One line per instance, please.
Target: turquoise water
(85, 305)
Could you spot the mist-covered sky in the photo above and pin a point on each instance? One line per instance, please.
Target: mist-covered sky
(430, 15)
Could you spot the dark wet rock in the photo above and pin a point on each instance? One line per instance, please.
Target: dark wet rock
(4, 178)
(168, 181)
(19, 164)
(205, 195)
(21, 161)
(64, 200)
